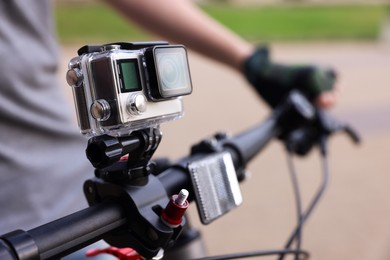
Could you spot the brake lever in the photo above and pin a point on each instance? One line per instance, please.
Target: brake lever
(301, 140)
(330, 125)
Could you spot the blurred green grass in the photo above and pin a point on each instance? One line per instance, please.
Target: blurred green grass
(95, 22)
(304, 23)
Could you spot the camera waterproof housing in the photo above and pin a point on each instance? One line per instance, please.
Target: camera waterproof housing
(122, 87)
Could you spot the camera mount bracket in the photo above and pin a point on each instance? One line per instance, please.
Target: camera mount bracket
(123, 174)
(125, 158)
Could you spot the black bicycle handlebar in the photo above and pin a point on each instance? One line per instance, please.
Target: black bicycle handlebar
(135, 207)
(242, 148)
(75, 231)
(65, 235)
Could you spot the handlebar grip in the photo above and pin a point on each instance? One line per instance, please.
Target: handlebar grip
(69, 233)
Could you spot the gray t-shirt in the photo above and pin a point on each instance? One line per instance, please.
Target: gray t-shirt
(42, 158)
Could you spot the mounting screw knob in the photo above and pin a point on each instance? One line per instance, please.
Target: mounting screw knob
(174, 211)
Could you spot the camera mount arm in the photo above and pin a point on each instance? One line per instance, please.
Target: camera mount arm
(106, 153)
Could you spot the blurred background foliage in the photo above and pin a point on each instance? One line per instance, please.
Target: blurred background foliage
(93, 21)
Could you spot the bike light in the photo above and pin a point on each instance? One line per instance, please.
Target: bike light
(215, 185)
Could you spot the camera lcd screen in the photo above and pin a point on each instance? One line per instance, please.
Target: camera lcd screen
(129, 75)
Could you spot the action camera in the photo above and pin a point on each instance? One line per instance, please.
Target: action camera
(122, 87)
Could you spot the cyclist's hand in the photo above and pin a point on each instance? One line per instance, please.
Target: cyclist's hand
(273, 81)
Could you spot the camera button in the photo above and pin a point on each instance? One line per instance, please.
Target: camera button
(111, 47)
(100, 110)
(137, 104)
(74, 77)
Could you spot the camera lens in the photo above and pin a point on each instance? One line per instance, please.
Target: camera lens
(170, 70)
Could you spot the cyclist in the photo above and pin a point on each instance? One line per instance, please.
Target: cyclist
(42, 162)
